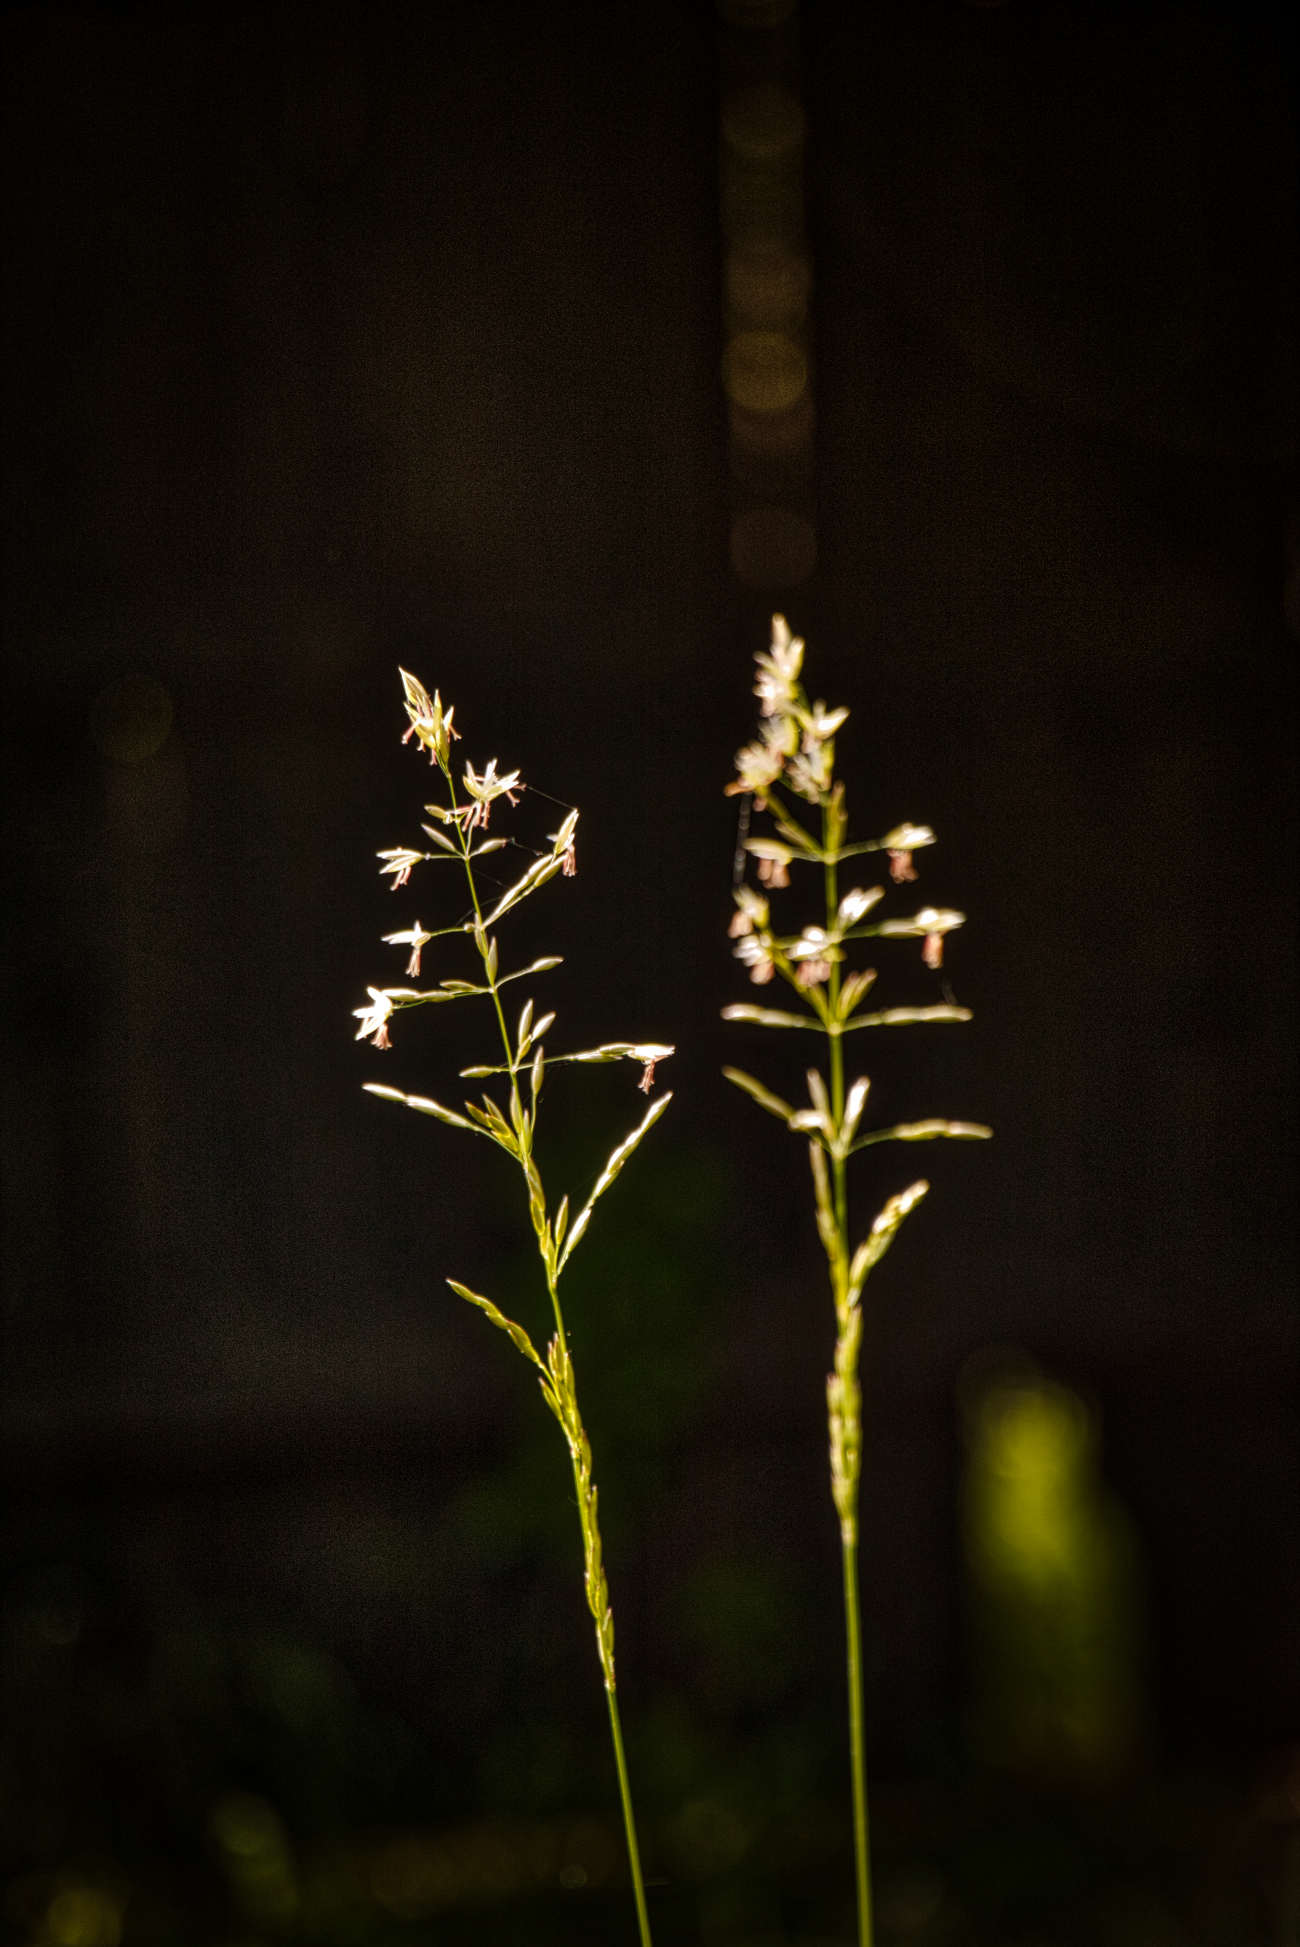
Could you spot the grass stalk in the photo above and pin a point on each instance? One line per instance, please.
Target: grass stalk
(857, 1742)
(513, 1128)
(849, 1524)
(793, 762)
(629, 1818)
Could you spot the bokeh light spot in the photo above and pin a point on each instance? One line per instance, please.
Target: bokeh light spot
(708, 1837)
(756, 13)
(785, 436)
(245, 1825)
(764, 371)
(131, 719)
(762, 123)
(767, 287)
(82, 1916)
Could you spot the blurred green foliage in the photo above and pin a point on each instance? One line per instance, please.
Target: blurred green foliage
(1054, 1589)
(216, 1767)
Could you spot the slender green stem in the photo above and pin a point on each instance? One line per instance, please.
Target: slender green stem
(629, 1822)
(796, 752)
(836, 1048)
(557, 1313)
(463, 838)
(857, 1748)
(525, 1138)
(615, 1724)
(848, 1536)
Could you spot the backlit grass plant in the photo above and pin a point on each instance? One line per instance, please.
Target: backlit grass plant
(792, 765)
(508, 1120)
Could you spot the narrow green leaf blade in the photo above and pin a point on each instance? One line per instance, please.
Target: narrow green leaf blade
(853, 1107)
(919, 1132)
(643, 1051)
(856, 987)
(763, 1096)
(769, 1017)
(882, 1234)
(827, 1228)
(903, 838)
(499, 1319)
(930, 919)
(420, 1103)
(899, 1017)
(543, 965)
(802, 842)
(613, 1165)
(492, 1123)
(537, 874)
(769, 848)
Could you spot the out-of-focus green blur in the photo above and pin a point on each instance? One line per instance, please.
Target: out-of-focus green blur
(1054, 1591)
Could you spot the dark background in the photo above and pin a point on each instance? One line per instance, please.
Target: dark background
(348, 337)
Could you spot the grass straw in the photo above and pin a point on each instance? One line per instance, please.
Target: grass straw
(458, 837)
(793, 761)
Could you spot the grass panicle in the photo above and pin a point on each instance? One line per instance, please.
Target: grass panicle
(790, 766)
(509, 1118)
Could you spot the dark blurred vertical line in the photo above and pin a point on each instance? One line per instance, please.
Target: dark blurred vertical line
(766, 358)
